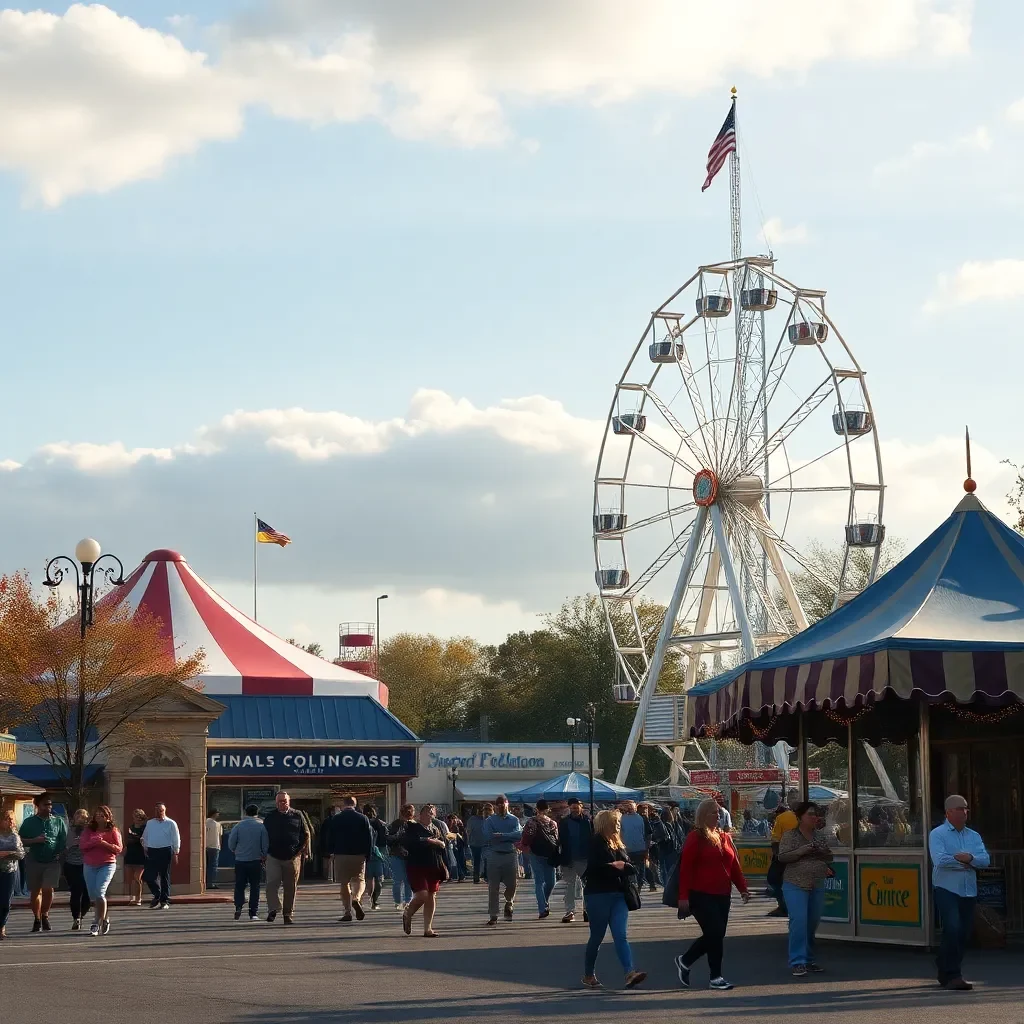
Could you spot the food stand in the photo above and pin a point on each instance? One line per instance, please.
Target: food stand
(912, 691)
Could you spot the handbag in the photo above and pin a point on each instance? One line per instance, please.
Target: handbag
(631, 892)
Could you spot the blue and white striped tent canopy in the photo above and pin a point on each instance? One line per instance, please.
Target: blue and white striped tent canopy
(575, 784)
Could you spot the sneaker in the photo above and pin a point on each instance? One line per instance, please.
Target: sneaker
(634, 978)
(37, 925)
(238, 914)
(154, 903)
(375, 906)
(720, 983)
(815, 968)
(683, 971)
(399, 906)
(94, 930)
(508, 911)
(76, 925)
(105, 927)
(345, 917)
(254, 917)
(569, 918)
(46, 924)
(165, 906)
(800, 971)
(360, 913)
(490, 921)
(544, 913)
(271, 916)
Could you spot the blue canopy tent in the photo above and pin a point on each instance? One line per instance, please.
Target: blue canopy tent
(575, 784)
(945, 625)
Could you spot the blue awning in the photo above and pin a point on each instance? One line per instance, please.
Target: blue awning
(575, 784)
(47, 775)
(350, 718)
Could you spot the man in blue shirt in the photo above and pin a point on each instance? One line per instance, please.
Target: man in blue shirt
(250, 844)
(501, 833)
(956, 852)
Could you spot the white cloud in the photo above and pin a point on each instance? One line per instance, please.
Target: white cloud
(92, 100)
(774, 232)
(97, 458)
(978, 281)
(1015, 111)
(977, 141)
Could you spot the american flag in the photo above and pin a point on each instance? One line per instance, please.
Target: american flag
(266, 534)
(724, 144)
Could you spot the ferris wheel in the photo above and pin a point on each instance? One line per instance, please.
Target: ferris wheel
(740, 433)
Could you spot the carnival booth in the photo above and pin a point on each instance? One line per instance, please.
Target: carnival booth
(559, 789)
(911, 691)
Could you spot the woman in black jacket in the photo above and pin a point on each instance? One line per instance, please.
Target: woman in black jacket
(607, 870)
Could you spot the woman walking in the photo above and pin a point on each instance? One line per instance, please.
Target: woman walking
(398, 855)
(425, 866)
(806, 857)
(134, 857)
(74, 873)
(101, 845)
(11, 855)
(605, 900)
(540, 842)
(708, 869)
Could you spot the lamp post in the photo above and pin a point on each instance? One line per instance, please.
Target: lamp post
(590, 716)
(453, 774)
(572, 723)
(376, 637)
(89, 555)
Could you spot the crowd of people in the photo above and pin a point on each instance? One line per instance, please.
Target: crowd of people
(605, 863)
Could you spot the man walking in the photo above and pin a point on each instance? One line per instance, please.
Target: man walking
(350, 841)
(635, 830)
(956, 852)
(212, 847)
(44, 837)
(501, 832)
(574, 835)
(161, 842)
(287, 843)
(249, 842)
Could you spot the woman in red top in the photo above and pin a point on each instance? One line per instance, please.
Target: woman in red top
(101, 845)
(708, 869)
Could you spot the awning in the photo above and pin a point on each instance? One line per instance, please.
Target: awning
(945, 624)
(575, 784)
(46, 775)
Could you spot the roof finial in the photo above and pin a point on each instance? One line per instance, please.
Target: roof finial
(969, 485)
(732, 92)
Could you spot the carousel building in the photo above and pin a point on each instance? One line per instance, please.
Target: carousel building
(263, 716)
(910, 692)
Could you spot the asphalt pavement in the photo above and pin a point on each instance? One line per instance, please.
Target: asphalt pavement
(196, 965)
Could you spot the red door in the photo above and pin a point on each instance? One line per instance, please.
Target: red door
(176, 794)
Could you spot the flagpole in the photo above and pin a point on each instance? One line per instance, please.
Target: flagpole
(734, 191)
(255, 548)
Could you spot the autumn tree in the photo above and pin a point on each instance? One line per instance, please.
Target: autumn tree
(431, 681)
(83, 697)
(312, 648)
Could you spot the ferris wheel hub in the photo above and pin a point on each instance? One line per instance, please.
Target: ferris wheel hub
(747, 489)
(705, 488)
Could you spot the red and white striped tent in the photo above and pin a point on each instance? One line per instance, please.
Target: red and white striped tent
(241, 656)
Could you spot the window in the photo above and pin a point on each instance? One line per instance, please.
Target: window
(829, 766)
(888, 794)
(227, 800)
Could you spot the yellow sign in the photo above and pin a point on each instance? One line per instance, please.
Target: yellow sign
(754, 860)
(889, 894)
(8, 749)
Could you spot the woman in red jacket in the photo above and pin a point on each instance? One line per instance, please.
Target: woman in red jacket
(708, 869)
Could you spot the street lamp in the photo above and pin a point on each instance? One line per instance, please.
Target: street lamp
(572, 723)
(589, 717)
(89, 554)
(453, 774)
(376, 636)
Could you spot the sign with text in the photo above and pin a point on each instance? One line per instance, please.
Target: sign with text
(992, 888)
(750, 776)
(837, 892)
(339, 762)
(754, 860)
(889, 894)
(8, 748)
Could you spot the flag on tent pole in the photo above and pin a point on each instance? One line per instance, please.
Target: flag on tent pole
(266, 534)
(724, 144)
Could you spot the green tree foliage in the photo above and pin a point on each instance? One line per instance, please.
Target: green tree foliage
(1016, 496)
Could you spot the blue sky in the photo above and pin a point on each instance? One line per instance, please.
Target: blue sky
(298, 260)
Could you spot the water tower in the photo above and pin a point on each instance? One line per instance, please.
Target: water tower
(357, 647)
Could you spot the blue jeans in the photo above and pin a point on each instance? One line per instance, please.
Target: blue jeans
(212, 856)
(607, 909)
(956, 915)
(400, 888)
(543, 880)
(97, 879)
(478, 862)
(8, 881)
(247, 873)
(805, 907)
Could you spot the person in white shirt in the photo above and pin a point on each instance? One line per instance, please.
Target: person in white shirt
(212, 847)
(161, 842)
